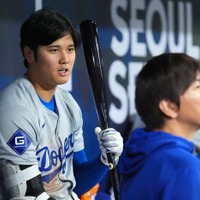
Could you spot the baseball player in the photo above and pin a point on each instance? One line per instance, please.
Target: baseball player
(41, 137)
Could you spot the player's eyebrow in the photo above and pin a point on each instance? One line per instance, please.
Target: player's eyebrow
(71, 45)
(55, 45)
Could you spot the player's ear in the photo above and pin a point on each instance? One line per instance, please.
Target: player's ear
(29, 54)
(169, 108)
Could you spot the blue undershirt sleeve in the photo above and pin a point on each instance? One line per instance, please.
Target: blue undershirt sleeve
(87, 173)
(80, 157)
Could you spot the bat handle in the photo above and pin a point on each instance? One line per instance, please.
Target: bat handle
(112, 167)
(113, 175)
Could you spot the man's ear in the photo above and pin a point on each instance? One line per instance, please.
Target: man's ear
(29, 54)
(169, 108)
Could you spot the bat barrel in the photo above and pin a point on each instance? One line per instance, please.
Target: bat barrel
(94, 64)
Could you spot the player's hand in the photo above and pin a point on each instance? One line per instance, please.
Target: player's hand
(110, 141)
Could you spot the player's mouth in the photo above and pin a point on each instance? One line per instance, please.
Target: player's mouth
(63, 71)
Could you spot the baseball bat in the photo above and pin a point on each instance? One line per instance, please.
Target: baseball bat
(94, 63)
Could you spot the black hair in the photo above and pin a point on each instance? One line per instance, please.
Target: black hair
(166, 76)
(43, 27)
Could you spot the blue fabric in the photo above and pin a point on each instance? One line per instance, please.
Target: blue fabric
(158, 166)
(80, 157)
(50, 105)
(87, 174)
(102, 196)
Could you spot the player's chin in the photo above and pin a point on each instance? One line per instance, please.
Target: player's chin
(59, 82)
(61, 79)
(62, 82)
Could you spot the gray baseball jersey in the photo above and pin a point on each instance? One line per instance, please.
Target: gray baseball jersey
(32, 134)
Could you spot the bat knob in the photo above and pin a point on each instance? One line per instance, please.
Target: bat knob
(97, 130)
(110, 166)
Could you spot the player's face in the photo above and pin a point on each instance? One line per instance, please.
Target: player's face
(54, 63)
(189, 112)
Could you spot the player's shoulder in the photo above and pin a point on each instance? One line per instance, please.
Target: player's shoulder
(17, 91)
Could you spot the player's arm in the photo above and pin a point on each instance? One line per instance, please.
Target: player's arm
(87, 173)
(21, 181)
(19, 173)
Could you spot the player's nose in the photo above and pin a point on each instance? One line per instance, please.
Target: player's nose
(64, 58)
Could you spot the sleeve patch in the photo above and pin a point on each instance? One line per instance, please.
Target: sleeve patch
(19, 142)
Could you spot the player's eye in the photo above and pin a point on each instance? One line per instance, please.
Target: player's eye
(54, 50)
(71, 49)
(198, 86)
